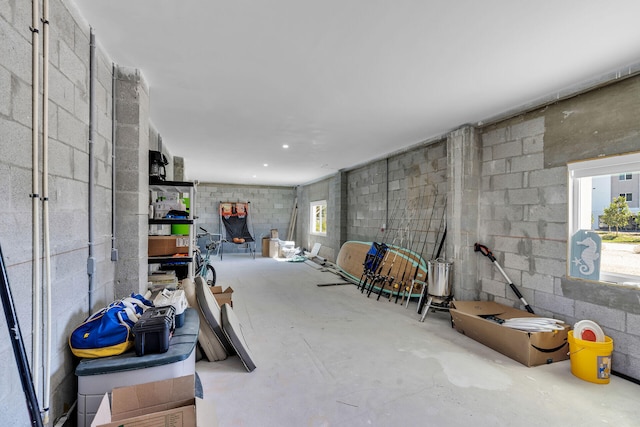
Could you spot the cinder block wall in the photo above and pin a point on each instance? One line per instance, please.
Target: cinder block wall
(334, 191)
(407, 188)
(270, 208)
(369, 198)
(68, 190)
(523, 210)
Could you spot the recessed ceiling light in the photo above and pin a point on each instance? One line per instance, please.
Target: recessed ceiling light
(265, 165)
(285, 146)
(255, 176)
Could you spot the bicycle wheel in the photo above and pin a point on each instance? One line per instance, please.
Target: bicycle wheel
(211, 275)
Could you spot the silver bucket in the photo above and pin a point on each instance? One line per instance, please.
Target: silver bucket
(440, 272)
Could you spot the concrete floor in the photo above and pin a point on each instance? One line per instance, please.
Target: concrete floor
(329, 356)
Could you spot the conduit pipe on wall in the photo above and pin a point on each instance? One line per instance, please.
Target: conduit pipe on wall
(91, 263)
(114, 251)
(386, 193)
(36, 306)
(45, 210)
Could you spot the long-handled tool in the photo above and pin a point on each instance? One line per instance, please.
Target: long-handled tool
(423, 247)
(486, 252)
(413, 241)
(18, 347)
(423, 295)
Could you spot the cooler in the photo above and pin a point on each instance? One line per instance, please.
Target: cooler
(177, 299)
(99, 376)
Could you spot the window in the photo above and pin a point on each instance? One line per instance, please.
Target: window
(594, 185)
(318, 223)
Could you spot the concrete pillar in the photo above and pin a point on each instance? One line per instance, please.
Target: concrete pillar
(463, 163)
(132, 180)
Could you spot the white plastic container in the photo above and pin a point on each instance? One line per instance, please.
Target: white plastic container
(177, 299)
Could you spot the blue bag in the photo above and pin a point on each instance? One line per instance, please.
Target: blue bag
(374, 257)
(109, 331)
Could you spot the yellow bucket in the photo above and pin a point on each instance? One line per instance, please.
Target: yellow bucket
(590, 361)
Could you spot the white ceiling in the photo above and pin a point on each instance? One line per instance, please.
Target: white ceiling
(347, 81)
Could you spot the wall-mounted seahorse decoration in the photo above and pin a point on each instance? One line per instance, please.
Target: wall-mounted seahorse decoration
(588, 256)
(585, 255)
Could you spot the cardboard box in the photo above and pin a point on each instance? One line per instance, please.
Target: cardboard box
(168, 245)
(265, 246)
(528, 348)
(223, 297)
(169, 402)
(274, 233)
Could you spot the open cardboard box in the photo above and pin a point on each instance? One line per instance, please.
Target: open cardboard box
(528, 348)
(222, 297)
(169, 402)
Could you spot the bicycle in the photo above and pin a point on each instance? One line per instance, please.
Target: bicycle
(203, 267)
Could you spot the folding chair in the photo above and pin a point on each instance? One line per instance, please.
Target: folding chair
(235, 226)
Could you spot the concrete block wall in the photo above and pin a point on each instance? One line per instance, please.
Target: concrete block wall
(68, 190)
(374, 201)
(370, 197)
(132, 181)
(523, 213)
(333, 190)
(270, 208)
(410, 187)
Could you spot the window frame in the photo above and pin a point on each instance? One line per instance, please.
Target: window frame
(580, 196)
(627, 196)
(313, 206)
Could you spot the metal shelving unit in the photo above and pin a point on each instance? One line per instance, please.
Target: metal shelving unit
(181, 187)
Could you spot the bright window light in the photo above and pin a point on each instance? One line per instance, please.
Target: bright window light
(598, 191)
(318, 218)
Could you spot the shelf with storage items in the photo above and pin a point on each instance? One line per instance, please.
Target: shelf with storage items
(167, 243)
